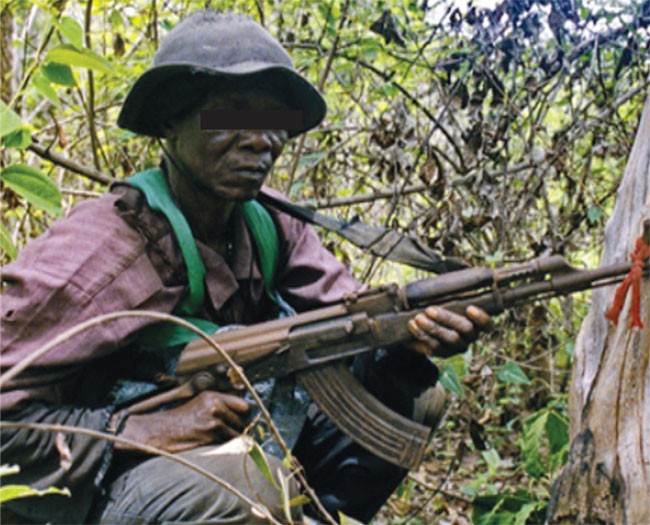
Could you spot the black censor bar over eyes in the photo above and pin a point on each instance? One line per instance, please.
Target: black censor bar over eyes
(289, 119)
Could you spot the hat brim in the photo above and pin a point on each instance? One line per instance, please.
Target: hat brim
(142, 107)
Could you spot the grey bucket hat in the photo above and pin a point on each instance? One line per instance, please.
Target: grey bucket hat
(209, 51)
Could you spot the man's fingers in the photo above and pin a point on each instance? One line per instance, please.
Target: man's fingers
(227, 432)
(453, 321)
(441, 332)
(236, 403)
(221, 412)
(447, 336)
(229, 409)
(480, 318)
(425, 344)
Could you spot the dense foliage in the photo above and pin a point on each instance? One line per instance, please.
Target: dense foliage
(493, 133)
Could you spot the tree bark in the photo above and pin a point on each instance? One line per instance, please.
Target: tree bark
(6, 53)
(607, 478)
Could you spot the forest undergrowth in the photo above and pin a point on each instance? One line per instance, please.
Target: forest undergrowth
(494, 134)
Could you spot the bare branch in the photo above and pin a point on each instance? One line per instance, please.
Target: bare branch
(69, 164)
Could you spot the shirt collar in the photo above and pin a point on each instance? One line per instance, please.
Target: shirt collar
(221, 280)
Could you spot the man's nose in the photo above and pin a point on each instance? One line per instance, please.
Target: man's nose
(255, 139)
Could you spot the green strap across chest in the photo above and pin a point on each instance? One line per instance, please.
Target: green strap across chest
(153, 185)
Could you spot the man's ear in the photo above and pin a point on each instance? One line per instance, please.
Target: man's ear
(169, 131)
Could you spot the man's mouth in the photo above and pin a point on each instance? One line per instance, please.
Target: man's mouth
(259, 170)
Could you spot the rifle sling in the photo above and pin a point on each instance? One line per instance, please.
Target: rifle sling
(377, 240)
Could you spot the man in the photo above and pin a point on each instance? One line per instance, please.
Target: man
(127, 251)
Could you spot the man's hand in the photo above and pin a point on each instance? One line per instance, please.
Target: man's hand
(208, 418)
(440, 332)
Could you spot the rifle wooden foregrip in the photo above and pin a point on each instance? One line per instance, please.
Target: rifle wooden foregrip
(361, 417)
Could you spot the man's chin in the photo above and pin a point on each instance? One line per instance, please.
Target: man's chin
(241, 193)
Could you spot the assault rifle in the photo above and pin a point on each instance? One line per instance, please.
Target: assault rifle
(315, 345)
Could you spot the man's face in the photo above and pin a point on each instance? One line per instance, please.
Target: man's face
(229, 164)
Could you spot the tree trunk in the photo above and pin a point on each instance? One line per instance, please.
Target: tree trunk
(6, 53)
(607, 479)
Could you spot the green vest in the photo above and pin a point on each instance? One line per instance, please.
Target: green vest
(153, 185)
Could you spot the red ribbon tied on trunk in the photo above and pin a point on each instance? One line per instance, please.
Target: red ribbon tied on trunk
(633, 280)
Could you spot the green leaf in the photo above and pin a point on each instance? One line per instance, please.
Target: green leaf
(59, 74)
(6, 470)
(347, 520)
(450, 380)
(534, 430)
(10, 492)
(9, 120)
(310, 159)
(492, 458)
(287, 462)
(116, 19)
(70, 55)
(511, 374)
(285, 492)
(557, 431)
(507, 509)
(71, 30)
(594, 213)
(8, 247)
(568, 348)
(259, 458)
(298, 500)
(43, 86)
(495, 258)
(34, 186)
(525, 513)
(20, 139)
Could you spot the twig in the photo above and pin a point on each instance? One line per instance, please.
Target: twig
(446, 493)
(420, 52)
(69, 164)
(366, 197)
(81, 193)
(94, 145)
(412, 98)
(37, 354)
(154, 23)
(455, 463)
(259, 5)
(32, 68)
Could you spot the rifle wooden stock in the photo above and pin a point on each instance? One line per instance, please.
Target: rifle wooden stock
(314, 345)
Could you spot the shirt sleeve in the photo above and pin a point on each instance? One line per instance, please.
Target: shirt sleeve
(87, 264)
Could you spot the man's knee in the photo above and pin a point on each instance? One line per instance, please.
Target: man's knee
(240, 471)
(161, 490)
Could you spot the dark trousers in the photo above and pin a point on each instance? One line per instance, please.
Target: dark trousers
(161, 491)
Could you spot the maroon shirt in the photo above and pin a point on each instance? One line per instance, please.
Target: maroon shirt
(111, 254)
(114, 254)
